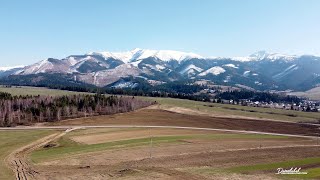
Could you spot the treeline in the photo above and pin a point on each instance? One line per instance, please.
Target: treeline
(181, 90)
(19, 110)
(139, 92)
(4, 96)
(257, 96)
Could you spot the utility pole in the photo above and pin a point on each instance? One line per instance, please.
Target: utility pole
(260, 146)
(151, 146)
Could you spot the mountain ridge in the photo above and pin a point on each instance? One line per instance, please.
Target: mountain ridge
(261, 70)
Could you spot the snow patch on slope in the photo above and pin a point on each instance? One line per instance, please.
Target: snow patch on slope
(9, 68)
(155, 67)
(191, 69)
(125, 85)
(286, 71)
(243, 59)
(72, 61)
(231, 65)
(105, 77)
(39, 67)
(159, 67)
(261, 55)
(216, 70)
(136, 63)
(246, 73)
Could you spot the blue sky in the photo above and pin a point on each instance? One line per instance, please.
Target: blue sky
(35, 29)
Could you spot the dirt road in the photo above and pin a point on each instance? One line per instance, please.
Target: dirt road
(156, 117)
(18, 160)
(165, 127)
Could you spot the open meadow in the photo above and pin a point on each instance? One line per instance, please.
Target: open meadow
(35, 91)
(234, 111)
(174, 139)
(313, 94)
(161, 153)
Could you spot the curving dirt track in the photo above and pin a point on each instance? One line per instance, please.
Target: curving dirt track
(18, 159)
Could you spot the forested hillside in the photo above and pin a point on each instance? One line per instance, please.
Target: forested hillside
(20, 110)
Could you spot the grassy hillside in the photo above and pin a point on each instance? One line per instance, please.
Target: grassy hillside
(313, 94)
(236, 110)
(24, 90)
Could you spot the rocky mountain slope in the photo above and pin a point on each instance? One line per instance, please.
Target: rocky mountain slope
(261, 71)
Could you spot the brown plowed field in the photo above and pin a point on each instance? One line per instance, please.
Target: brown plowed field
(166, 118)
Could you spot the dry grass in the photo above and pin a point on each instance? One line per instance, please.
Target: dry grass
(313, 94)
(34, 91)
(11, 140)
(182, 154)
(228, 110)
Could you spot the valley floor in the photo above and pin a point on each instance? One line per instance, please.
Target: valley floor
(83, 152)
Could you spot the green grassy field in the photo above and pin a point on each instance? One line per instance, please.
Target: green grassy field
(24, 90)
(11, 140)
(236, 110)
(312, 172)
(68, 147)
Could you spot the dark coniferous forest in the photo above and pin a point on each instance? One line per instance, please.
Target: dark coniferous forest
(23, 110)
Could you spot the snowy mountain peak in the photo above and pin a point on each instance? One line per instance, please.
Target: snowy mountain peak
(9, 68)
(264, 55)
(261, 70)
(259, 55)
(137, 54)
(136, 50)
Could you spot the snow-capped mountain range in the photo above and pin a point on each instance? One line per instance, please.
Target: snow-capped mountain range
(260, 70)
(7, 68)
(138, 54)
